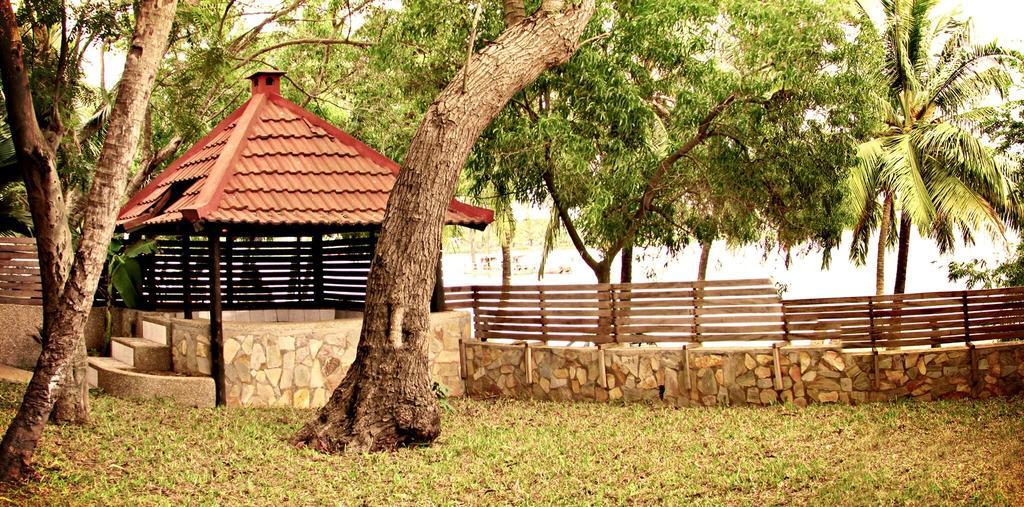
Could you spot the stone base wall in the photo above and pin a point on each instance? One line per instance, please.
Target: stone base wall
(299, 364)
(813, 374)
(19, 323)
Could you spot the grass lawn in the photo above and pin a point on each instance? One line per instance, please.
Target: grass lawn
(499, 452)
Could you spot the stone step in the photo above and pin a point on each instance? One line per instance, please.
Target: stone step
(141, 354)
(96, 363)
(118, 379)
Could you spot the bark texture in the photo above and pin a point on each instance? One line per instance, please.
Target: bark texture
(385, 400)
(506, 262)
(883, 243)
(626, 268)
(903, 254)
(69, 278)
(705, 256)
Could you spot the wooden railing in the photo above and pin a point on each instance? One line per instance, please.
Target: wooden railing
(256, 273)
(260, 273)
(19, 272)
(930, 318)
(735, 310)
(721, 310)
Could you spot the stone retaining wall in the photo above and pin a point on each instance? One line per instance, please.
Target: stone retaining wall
(813, 374)
(300, 363)
(18, 323)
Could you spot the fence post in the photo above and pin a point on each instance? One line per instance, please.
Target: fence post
(462, 359)
(874, 347)
(971, 350)
(698, 303)
(686, 368)
(478, 327)
(614, 302)
(528, 359)
(543, 316)
(776, 366)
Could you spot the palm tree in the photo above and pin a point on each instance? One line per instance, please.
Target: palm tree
(928, 164)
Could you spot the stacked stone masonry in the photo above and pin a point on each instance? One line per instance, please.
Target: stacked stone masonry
(812, 374)
(298, 364)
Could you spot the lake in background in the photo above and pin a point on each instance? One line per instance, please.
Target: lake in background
(803, 278)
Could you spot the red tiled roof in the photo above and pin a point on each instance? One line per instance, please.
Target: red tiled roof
(271, 162)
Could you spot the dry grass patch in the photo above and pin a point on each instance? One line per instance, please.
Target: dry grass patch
(544, 453)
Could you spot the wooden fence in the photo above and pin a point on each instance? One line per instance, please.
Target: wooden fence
(931, 318)
(256, 273)
(19, 272)
(260, 272)
(736, 310)
(726, 310)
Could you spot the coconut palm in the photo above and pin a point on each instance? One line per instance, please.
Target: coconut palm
(928, 164)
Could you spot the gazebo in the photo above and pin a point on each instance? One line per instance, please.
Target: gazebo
(274, 208)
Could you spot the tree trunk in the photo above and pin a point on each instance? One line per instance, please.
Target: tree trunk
(72, 404)
(902, 255)
(506, 262)
(68, 293)
(702, 265)
(626, 269)
(385, 400)
(883, 243)
(603, 272)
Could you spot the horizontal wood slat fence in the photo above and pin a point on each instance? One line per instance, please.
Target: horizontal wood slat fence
(930, 318)
(727, 310)
(260, 272)
(735, 310)
(19, 272)
(256, 273)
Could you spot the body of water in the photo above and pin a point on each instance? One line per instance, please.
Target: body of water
(804, 277)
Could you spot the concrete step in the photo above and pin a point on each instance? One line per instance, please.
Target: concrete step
(118, 379)
(96, 363)
(141, 354)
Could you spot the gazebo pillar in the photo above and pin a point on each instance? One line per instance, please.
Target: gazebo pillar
(186, 274)
(216, 322)
(437, 303)
(318, 269)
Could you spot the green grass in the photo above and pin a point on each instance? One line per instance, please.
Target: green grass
(500, 452)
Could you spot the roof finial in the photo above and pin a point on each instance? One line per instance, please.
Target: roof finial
(266, 81)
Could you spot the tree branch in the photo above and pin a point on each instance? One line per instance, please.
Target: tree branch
(563, 213)
(654, 182)
(293, 42)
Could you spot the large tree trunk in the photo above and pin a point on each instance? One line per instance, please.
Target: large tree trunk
(702, 264)
(626, 268)
(385, 400)
(883, 243)
(72, 404)
(68, 293)
(902, 255)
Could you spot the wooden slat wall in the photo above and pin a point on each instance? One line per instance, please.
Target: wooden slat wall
(19, 272)
(931, 318)
(726, 310)
(263, 273)
(736, 310)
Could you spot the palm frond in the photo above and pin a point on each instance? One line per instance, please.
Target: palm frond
(551, 234)
(970, 76)
(902, 172)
